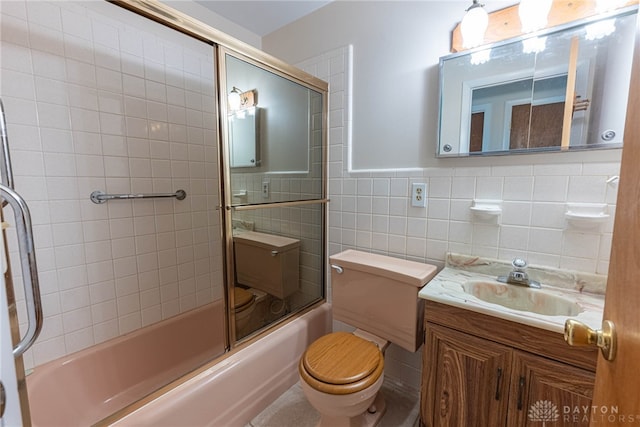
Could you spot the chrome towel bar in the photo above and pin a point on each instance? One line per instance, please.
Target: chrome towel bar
(101, 197)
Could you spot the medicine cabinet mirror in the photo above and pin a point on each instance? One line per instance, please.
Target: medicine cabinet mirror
(557, 90)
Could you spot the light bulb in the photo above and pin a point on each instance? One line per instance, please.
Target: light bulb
(533, 14)
(473, 26)
(234, 99)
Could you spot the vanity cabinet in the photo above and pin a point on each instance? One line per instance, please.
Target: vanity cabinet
(482, 371)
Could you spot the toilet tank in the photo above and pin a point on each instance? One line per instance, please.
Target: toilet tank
(379, 294)
(267, 262)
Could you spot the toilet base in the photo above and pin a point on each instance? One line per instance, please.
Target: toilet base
(365, 419)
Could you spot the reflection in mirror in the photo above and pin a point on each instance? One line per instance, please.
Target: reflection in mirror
(289, 135)
(516, 115)
(278, 263)
(568, 90)
(276, 199)
(244, 138)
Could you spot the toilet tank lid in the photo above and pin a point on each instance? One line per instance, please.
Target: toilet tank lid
(264, 240)
(410, 272)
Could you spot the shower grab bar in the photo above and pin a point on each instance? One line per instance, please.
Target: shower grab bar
(99, 197)
(29, 268)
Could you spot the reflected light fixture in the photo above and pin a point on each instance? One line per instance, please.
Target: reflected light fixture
(600, 29)
(234, 99)
(534, 44)
(480, 57)
(473, 26)
(240, 100)
(533, 14)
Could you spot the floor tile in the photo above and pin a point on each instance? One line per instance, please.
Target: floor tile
(292, 409)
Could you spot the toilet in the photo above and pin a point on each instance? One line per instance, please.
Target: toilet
(341, 373)
(244, 303)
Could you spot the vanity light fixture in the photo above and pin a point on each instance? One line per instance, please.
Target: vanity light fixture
(474, 24)
(533, 14)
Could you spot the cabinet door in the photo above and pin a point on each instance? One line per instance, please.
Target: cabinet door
(544, 391)
(465, 380)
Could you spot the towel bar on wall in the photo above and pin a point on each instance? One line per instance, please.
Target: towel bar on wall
(101, 197)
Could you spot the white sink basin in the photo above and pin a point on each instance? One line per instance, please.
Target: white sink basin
(521, 298)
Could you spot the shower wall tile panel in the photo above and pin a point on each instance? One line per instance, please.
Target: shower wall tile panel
(97, 98)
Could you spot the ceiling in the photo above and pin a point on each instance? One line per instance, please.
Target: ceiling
(262, 17)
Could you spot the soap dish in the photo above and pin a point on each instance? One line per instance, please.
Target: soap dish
(486, 209)
(586, 215)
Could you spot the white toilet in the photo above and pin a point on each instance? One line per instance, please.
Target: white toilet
(341, 373)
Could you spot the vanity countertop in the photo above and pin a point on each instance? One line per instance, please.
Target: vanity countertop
(586, 290)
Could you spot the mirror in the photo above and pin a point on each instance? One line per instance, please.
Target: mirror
(276, 152)
(286, 282)
(288, 137)
(562, 89)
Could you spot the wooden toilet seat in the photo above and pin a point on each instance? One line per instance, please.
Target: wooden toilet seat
(341, 363)
(241, 298)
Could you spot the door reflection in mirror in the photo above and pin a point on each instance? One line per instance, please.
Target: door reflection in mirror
(518, 115)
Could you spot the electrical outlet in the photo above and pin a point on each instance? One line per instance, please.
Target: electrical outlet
(419, 195)
(265, 189)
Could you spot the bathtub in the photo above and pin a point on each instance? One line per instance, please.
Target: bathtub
(234, 390)
(84, 387)
(87, 387)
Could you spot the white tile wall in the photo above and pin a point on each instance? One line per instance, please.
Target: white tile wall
(97, 98)
(372, 212)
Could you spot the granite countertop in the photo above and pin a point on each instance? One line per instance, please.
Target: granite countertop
(585, 290)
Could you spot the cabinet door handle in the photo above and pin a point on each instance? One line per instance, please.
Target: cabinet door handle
(498, 383)
(520, 392)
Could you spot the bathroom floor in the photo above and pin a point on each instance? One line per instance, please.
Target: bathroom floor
(292, 409)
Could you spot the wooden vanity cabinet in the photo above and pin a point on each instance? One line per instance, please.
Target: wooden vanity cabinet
(540, 385)
(482, 371)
